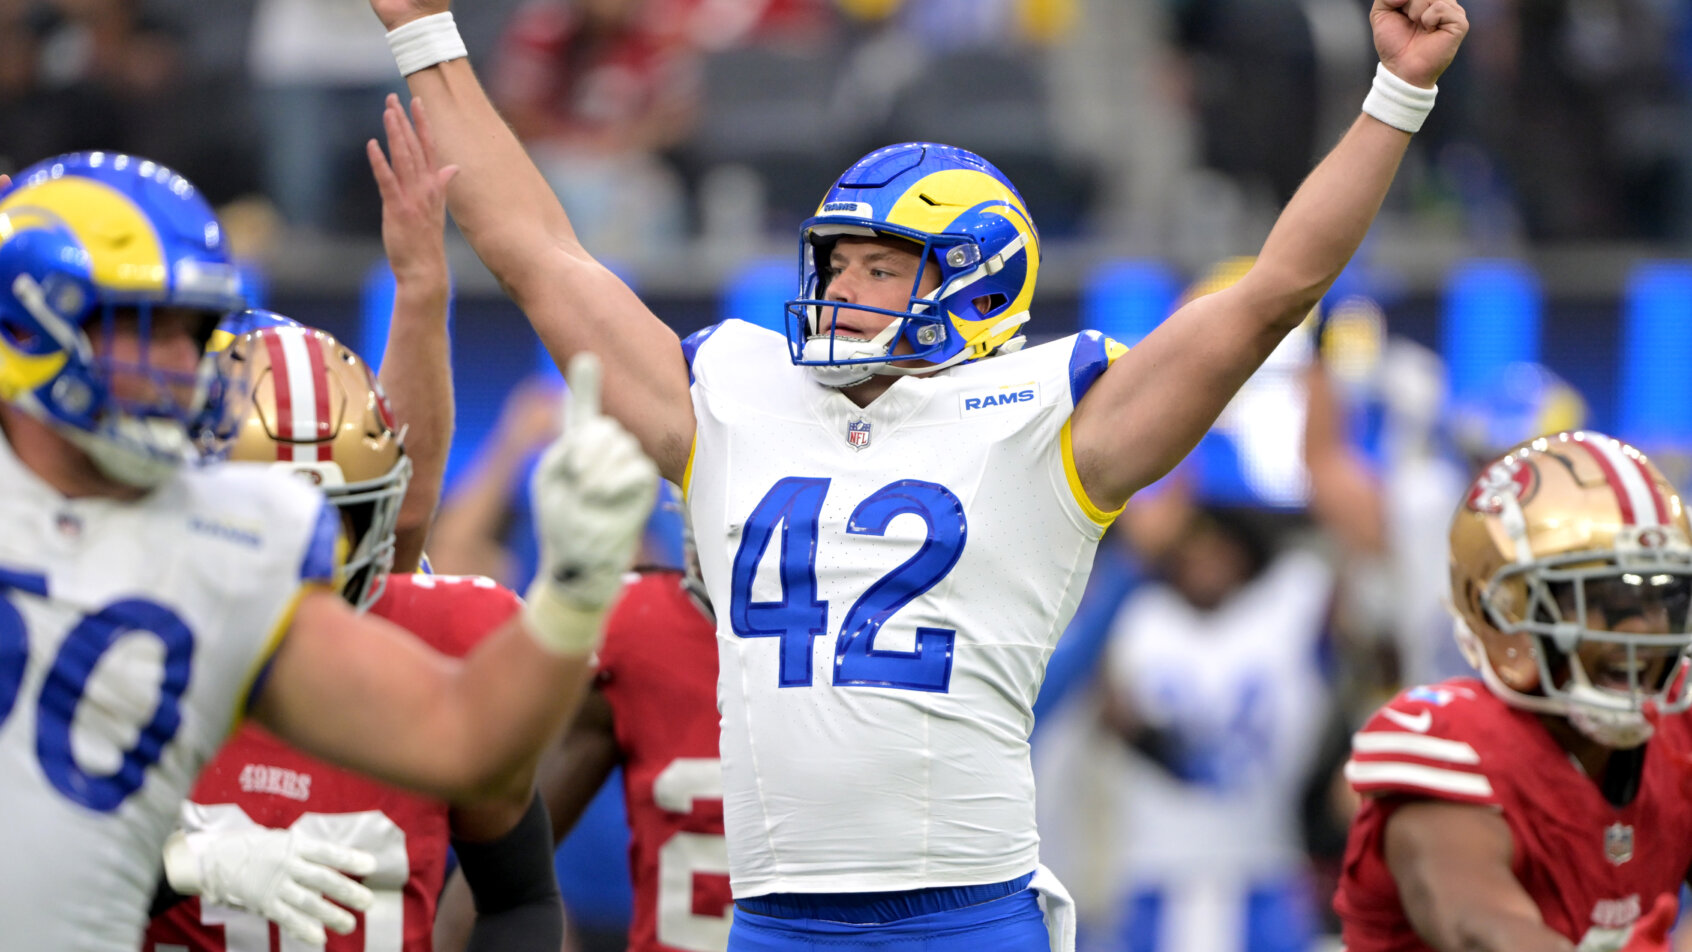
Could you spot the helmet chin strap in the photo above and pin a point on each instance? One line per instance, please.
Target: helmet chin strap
(1616, 729)
(825, 347)
(821, 347)
(135, 451)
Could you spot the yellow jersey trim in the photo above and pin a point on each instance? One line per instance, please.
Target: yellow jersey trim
(687, 472)
(1099, 516)
(271, 643)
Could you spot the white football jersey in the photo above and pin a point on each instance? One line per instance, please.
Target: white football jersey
(889, 582)
(1218, 852)
(1243, 687)
(130, 637)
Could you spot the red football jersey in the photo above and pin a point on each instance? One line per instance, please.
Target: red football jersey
(257, 780)
(658, 671)
(1591, 868)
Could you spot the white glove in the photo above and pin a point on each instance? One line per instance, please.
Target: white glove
(593, 490)
(278, 874)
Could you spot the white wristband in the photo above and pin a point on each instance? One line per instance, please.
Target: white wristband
(560, 625)
(182, 866)
(425, 42)
(1398, 103)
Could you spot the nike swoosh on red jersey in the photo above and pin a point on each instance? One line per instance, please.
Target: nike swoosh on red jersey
(1410, 722)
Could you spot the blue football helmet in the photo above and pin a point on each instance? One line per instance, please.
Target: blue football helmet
(83, 236)
(1519, 401)
(967, 220)
(241, 323)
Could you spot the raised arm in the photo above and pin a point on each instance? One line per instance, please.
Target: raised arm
(416, 368)
(357, 691)
(1150, 409)
(1345, 497)
(514, 221)
(569, 777)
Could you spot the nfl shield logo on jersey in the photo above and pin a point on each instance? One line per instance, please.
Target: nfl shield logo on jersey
(858, 434)
(1618, 843)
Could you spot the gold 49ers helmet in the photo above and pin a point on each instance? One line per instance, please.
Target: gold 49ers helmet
(1571, 570)
(318, 411)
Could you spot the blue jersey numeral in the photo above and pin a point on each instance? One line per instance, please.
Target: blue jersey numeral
(795, 504)
(14, 652)
(67, 682)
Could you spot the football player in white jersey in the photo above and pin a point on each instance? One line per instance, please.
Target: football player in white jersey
(894, 529)
(148, 602)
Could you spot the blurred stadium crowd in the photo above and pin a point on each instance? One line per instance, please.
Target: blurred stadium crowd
(1245, 613)
(1164, 127)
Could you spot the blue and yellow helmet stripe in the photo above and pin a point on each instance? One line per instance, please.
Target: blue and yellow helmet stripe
(82, 236)
(970, 222)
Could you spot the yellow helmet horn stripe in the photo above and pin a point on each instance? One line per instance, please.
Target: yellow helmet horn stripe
(933, 203)
(25, 373)
(126, 251)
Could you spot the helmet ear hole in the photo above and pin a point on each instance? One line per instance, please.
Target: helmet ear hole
(1514, 658)
(18, 335)
(1511, 656)
(822, 251)
(1472, 606)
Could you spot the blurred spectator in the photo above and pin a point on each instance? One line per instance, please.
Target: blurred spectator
(87, 74)
(27, 130)
(1387, 452)
(949, 24)
(479, 514)
(1575, 111)
(320, 69)
(1383, 472)
(772, 124)
(1253, 68)
(597, 90)
(1216, 682)
(112, 45)
(625, 104)
(975, 74)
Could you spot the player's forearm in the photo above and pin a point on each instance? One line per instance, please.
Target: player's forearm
(507, 702)
(1494, 930)
(464, 731)
(417, 376)
(511, 217)
(570, 775)
(1344, 497)
(518, 906)
(1473, 911)
(455, 915)
(1452, 865)
(499, 199)
(1327, 218)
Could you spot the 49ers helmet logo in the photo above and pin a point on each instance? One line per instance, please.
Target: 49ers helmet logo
(1509, 476)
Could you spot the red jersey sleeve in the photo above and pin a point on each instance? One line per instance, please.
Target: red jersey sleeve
(1429, 742)
(1591, 866)
(450, 613)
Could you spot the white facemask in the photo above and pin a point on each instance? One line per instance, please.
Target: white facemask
(1616, 729)
(139, 452)
(834, 347)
